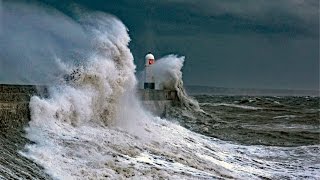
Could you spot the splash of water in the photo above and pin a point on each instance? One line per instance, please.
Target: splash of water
(168, 75)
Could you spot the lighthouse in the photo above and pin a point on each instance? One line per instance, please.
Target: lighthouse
(149, 82)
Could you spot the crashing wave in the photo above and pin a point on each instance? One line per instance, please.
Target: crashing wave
(94, 92)
(168, 75)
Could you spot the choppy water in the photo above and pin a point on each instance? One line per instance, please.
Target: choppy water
(273, 121)
(257, 137)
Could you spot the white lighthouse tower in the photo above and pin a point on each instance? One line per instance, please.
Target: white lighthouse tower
(149, 82)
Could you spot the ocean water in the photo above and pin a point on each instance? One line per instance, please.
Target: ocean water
(92, 125)
(271, 121)
(235, 137)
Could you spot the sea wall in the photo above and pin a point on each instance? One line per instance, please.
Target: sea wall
(14, 103)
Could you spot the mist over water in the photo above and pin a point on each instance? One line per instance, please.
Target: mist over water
(93, 126)
(33, 39)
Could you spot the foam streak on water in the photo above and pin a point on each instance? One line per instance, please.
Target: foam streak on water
(95, 128)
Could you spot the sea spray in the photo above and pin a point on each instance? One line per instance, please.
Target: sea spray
(95, 93)
(168, 75)
(32, 37)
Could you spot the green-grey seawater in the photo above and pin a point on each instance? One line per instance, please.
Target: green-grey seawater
(271, 121)
(265, 121)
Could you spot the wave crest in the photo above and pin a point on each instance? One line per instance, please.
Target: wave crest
(168, 74)
(95, 92)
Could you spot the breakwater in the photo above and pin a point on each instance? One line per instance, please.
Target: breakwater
(14, 102)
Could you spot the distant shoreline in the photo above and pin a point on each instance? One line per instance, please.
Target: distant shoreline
(194, 90)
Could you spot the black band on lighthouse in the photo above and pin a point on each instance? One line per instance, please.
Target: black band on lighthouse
(149, 85)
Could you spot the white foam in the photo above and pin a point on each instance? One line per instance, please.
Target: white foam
(285, 117)
(167, 71)
(234, 105)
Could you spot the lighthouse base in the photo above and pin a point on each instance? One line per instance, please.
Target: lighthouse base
(158, 101)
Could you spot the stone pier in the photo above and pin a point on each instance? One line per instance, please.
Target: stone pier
(14, 103)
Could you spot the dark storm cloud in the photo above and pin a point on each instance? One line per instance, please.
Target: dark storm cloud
(264, 44)
(305, 11)
(295, 17)
(243, 43)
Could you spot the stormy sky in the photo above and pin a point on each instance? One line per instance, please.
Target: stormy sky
(227, 43)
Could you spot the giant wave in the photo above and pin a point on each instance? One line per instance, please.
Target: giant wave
(94, 127)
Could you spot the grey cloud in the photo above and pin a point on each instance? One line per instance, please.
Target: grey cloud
(302, 9)
(0, 16)
(299, 14)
